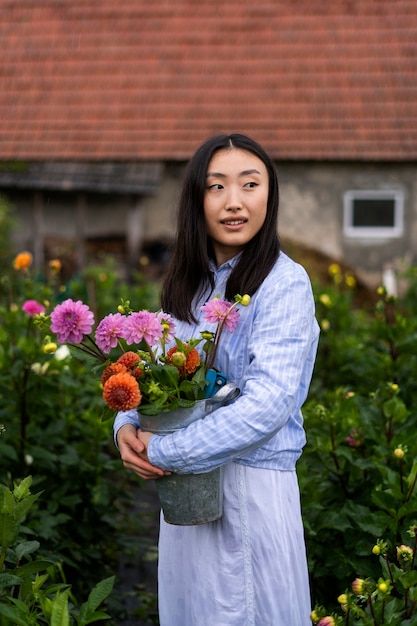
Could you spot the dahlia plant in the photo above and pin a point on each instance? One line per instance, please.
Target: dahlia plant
(131, 349)
(392, 599)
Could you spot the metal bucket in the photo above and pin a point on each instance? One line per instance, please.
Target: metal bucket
(189, 499)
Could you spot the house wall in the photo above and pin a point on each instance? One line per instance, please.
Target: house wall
(311, 212)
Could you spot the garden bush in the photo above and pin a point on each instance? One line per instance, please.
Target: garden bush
(51, 413)
(29, 595)
(358, 472)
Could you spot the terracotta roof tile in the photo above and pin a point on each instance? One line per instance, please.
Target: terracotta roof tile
(81, 79)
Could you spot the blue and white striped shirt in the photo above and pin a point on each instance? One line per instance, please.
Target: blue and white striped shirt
(270, 357)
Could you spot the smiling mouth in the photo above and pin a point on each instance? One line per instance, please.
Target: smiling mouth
(233, 222)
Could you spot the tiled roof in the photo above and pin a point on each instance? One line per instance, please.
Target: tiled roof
(151, 79)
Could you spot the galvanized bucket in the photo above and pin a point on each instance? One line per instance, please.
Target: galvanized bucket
(190, 499)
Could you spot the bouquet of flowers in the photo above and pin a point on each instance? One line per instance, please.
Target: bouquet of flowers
(137, 367)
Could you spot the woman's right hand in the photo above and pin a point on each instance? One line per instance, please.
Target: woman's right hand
(134, 456)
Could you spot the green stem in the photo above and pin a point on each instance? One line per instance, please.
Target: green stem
(217, 335)
(415, 547)
(389, 571)
(411, 489)
(371, 606)
(95, 350)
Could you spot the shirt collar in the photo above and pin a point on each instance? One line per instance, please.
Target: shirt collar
(230, 264)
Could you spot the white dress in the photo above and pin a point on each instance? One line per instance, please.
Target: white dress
(247, 569)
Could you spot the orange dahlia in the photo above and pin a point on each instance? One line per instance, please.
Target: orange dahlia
(131, 360)
(121, 392)
(23, 261)
(111, 370)
(192, 362)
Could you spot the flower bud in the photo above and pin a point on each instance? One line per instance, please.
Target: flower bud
(178, 359)
(50, 347)
(314, 617)
(382, 587)
(328, 620)
(376, 549)
(55, 265)
(358, 586)
(399, 453)
(404, 553)
(245, 300)
(342, 599)
(325, 325)
(334, 268)
(350, 281)
(325, 300)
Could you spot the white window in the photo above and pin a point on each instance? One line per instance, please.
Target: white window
(373, 213)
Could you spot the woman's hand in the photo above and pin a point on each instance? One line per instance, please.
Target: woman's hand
(133, 452)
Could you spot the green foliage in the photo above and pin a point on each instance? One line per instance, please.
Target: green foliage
(29, 596)
(51, 428)
(357, 475)
(358, 472)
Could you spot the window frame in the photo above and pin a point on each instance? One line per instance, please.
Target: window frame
(381, 232)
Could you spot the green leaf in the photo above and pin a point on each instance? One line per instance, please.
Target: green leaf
(88, 613)
(60, 614)
(23, 506)
(9, 530)
(8, 504)
(411, 478)
(33, 567)
(395, 408)
(166, 375)
(15, 615)
(22, 489)
(27, 547)
(100, 593)
(409, 579)
(9, 580)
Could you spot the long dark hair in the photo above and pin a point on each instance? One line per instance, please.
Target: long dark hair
(189, 270)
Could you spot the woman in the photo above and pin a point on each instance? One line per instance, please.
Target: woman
(248, 568)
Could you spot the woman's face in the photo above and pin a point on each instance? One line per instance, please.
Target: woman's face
(235, 200)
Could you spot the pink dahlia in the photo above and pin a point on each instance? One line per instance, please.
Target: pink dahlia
(33, 307)
(328, 620)
(142, 325)
(71, 321)
(109, 330)
(217, 311)
(168, 325)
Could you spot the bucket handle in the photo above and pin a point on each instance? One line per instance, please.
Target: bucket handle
(226, 394)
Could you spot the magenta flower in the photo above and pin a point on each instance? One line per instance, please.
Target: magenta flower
(109, 330)
(218, 311)
(354, 440)
(33, 307)
(142, 325)
(71, 321)
(168, 325)
(328, 620)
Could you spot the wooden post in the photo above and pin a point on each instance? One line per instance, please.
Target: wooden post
(134, 235)
(38, 242)
(80, 222)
